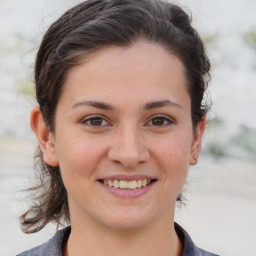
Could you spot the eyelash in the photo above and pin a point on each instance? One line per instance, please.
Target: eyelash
(167, 121)
(91, 118)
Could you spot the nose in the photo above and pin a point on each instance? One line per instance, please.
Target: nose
(128, 149)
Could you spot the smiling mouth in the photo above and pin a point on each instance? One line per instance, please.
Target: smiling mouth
(127, 185)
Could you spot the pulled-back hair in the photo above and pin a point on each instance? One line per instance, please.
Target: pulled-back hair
(84, 29)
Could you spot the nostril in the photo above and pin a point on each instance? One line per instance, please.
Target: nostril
(128, 157)
(116, 162)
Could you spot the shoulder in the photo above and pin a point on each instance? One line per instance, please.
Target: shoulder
(189, 248)
(51, 248)
(54, 246)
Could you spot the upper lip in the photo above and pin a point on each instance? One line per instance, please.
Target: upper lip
(128, 177)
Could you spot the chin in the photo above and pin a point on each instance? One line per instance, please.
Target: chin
(127, 224)
(129, 219)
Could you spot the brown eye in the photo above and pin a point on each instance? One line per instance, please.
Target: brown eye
(97, 121)
(158, 121)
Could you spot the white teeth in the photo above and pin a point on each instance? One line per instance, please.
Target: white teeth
(139, 183)
(132, 184)
(123, 184)
(116, 184)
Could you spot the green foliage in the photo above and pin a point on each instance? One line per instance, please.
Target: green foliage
(26, 87)
(246, 139)
(215, 149)
(209, 40)
(250, 39)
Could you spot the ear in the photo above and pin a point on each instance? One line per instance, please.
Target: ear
(196, 144)
(44, 136)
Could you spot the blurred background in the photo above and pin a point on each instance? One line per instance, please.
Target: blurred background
(220, 214)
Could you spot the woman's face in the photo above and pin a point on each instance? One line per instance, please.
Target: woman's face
(124, 120)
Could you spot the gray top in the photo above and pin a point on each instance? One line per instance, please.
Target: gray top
(54, 246)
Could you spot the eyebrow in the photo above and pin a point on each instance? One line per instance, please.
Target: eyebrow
(105, 106)
(95, 104)
(161, 103)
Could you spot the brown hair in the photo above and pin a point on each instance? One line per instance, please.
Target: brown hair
(87, 27)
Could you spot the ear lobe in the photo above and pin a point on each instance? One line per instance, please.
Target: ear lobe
(44, 136)
(196, 145)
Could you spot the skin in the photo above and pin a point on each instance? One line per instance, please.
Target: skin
(125, 139)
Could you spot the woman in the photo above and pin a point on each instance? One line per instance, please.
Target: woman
(120, 86)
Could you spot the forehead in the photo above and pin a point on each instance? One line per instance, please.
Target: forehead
(127, 72)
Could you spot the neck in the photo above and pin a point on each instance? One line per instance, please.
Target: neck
(159, 238)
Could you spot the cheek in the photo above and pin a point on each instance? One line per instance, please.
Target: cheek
(79, 157)
(173, 157)
(78, 163)
(174, 150)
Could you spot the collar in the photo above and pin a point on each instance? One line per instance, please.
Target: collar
(54, 246)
